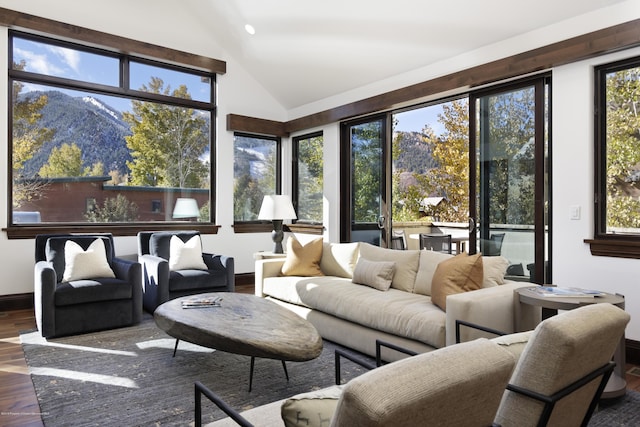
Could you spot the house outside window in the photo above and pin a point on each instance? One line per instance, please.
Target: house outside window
(256, 173)
(308, 180)
(617, 137)
(128, 133)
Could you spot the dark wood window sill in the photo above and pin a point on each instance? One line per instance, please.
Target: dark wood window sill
(267, 227)
(615, 248)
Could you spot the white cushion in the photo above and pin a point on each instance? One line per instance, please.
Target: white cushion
(90, 264)
(495, 267)
(377, 275)
(339, 259)
(429, 261)
(404, 275)
(186, 255)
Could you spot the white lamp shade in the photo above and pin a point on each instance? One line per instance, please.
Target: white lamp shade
(277, 206)
(186, 208)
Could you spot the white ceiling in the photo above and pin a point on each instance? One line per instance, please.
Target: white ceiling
(304, 51)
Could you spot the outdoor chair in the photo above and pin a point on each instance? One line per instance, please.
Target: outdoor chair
(186, 271)
(493, 246)
(398, 240)
(80, 286)
(436, 242)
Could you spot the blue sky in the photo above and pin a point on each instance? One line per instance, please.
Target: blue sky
(414, 120)
(63, 62)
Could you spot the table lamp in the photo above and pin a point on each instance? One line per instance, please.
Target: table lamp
(277, 208)
(186, 208)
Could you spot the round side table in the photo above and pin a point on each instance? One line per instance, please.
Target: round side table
(617, 385)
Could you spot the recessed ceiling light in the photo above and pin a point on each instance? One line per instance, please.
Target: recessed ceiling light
(249, 29)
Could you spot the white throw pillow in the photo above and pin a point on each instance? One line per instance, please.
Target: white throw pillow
(376, 274)
(90, 264)
(495, 267)
(186, 255)
(339, 259)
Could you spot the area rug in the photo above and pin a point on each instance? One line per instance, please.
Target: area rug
(128, 377)
(620, 412)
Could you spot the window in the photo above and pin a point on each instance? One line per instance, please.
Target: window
(256, 173)
(308, 181)
(617, 202)
(128, 134)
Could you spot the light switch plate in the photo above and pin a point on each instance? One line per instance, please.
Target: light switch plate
(575, 212)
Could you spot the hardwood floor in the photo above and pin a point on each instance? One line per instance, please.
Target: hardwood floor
(18, 402)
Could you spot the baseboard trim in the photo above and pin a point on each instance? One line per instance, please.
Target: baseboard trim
(16, 302)
(632, 352)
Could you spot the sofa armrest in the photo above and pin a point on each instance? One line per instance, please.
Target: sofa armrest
(266, 268)
(497, 307)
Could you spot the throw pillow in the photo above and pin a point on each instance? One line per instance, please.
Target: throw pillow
(186, 255)
(429, 261)
(314, 409)
(495, 267)
(376, 274)
(303, 260)
(462, 273)
(339, 259)
(404, 275)
(90, 264)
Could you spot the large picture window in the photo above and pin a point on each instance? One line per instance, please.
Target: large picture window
(131, 136)
(618, 150)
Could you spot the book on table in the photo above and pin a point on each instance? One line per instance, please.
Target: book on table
(564, 292)
(200, 302)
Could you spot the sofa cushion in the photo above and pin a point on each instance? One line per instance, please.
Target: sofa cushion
(339, 259)
(303, 260)
(461, 273)
(396, 312)
(313, 409)
(494, 268)
(429, 261)
(82, 264)
(285, 288)
(378, 274)
(404, 276)
(186, 255)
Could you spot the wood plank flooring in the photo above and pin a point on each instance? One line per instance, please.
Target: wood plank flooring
(18, 402)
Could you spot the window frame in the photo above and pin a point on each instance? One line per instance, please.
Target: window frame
(604, 243)
(19, 231)
(295, 176)
(259, 226)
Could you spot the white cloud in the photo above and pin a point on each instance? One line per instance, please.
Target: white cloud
(68, 56)
(38, 63)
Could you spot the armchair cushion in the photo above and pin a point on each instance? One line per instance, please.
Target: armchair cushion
(186, 255)
(311, 409)
(303, 260)
(461, 273)
(80, 264)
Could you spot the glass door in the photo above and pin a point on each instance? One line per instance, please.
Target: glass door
(509, 194)
(363, 165)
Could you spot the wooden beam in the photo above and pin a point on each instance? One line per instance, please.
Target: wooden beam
(238, 123)
(48, 27)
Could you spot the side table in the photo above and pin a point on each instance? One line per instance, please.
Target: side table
(268, 255)
(617, 385)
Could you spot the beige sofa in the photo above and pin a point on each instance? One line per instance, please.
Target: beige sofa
(355, 315)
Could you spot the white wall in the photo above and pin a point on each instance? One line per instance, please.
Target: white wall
(573, 185)
(239, 93)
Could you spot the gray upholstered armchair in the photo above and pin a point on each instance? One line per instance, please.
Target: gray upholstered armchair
(82, 287)
(165, 279)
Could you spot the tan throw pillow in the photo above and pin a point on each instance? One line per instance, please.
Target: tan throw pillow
(90, 264)
(186, 255)
(462, 273)
(495, 267)
(303, 260)
(376, 274)
(314, 409)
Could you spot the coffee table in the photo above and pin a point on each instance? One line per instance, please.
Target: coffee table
(242, 324)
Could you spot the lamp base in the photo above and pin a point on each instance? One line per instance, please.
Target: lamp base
(277, 235)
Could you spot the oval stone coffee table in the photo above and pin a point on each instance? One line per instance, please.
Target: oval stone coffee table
(242, 324)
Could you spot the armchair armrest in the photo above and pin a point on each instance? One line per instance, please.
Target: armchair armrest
(341, 353)
(266, 268)
(44, 279)
(380, 344)
(222, 263)
(497, 308)
(131, 272)
(200, 389)
(474, 326)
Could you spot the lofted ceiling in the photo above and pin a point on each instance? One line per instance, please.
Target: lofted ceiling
(303, 51)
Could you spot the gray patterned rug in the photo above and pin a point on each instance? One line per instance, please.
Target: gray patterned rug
(128, 377)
